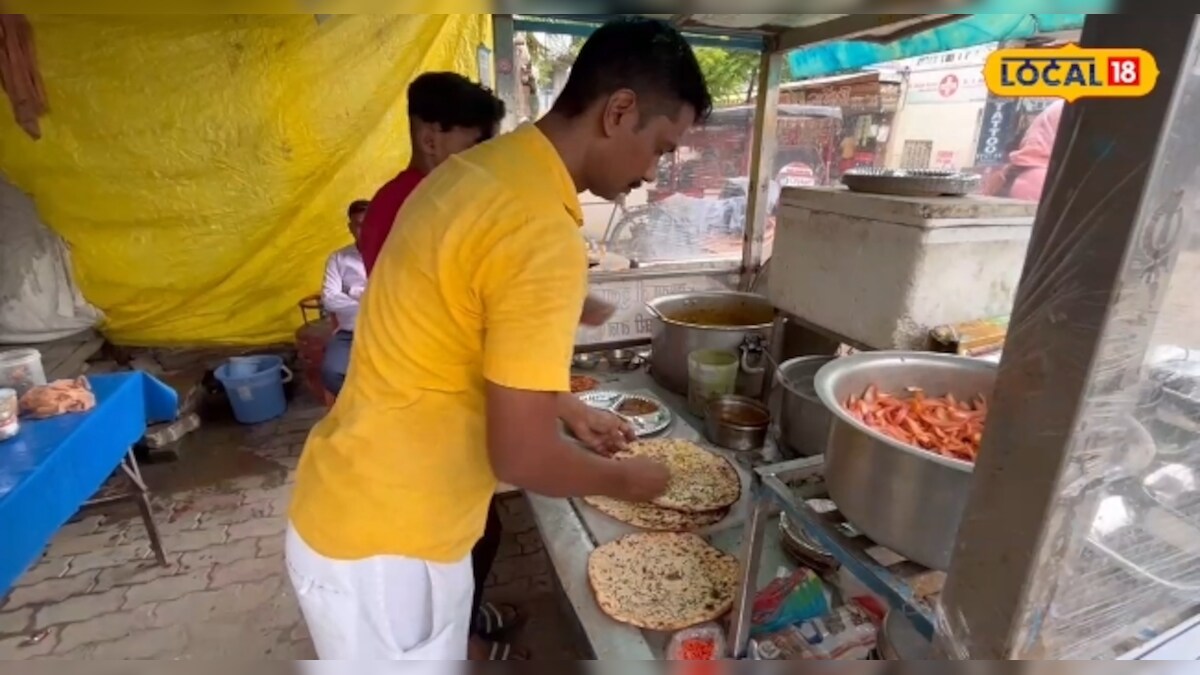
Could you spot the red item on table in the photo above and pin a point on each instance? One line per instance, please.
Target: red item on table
(698, 649)
(20, 77)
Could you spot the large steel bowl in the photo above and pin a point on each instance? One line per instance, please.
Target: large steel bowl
(901, 496)
(723, 320)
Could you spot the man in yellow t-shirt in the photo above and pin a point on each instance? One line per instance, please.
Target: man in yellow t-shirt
(460, 365)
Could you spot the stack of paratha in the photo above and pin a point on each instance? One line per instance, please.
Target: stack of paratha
(703, 487)
(662, 581)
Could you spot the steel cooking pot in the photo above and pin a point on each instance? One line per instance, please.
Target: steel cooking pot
(900, 496)
(803, 420)
(724, 320)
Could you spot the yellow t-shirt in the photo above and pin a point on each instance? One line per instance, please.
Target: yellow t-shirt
(483, 277)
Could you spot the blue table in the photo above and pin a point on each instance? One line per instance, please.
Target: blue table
(54, 467)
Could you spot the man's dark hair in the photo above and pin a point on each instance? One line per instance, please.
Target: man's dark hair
(450, 100)
(649, 57)
(357, 207)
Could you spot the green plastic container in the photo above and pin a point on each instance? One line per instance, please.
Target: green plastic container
(711, 373)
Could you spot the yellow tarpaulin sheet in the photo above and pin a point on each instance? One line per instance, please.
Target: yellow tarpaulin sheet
(199, 167)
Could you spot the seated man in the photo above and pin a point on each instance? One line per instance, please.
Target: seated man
(345, 281)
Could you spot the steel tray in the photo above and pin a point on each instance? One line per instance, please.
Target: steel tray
(911, 182)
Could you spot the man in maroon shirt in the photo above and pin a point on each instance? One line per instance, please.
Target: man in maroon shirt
(447, 114)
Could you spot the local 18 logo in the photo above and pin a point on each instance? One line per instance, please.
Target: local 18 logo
(1071, 72)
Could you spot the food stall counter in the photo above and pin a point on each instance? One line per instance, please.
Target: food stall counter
(572, 529)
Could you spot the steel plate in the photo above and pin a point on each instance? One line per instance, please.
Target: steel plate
(643, 425)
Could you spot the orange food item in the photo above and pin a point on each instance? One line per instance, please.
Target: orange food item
(582, 383)
(942, 425)
(697, 649)
(58, 398)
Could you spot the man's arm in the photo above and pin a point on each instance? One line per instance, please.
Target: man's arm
(527, 451)
(333, 297)
(596, 312)
(532, 288)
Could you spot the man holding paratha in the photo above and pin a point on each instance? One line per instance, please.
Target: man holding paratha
(461, 360)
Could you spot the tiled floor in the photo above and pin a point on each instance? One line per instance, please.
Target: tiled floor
(97, 593)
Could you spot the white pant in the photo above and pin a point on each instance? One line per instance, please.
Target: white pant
(382, 608)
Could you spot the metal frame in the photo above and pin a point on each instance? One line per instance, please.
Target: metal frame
(139, 494)
(1078, 336)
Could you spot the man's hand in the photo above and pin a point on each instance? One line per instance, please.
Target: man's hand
(599, 430)
(596, 312)
(526, 450)
(645, 480)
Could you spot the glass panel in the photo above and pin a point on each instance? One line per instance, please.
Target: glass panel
(696, 209)
(928, 112)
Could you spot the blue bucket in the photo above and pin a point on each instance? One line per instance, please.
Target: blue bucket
(254, 385)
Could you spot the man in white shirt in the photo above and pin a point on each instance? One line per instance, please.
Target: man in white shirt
(345, 282)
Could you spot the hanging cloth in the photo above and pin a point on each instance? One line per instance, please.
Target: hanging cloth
(19, 74)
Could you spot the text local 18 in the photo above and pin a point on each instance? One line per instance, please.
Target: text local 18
(1051, 71)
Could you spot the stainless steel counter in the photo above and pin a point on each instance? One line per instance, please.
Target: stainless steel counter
(571, 530)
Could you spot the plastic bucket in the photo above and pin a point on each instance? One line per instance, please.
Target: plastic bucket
(711, 373)
(21, 370)
(243, 366)
(254, 385)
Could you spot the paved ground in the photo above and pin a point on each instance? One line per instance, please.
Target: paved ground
(97, 593)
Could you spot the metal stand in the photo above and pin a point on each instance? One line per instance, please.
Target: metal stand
(789, 486)
(140, 495)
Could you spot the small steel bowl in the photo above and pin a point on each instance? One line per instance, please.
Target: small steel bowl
(621, 359)
(737, 423)
(586, 361)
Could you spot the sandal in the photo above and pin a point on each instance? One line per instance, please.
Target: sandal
(502, 651)
(494, 620)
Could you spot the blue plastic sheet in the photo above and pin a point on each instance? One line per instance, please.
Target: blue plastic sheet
(54, 466)
(839, 57)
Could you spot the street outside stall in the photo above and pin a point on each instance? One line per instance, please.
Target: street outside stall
(1092, 411)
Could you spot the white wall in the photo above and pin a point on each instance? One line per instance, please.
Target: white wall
(942, 105)
(953, 128)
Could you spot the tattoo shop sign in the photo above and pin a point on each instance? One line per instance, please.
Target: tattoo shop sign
(631, 320)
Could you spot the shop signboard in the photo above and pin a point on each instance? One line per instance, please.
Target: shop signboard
(946, 85)
(1003, 123)
(999, 123)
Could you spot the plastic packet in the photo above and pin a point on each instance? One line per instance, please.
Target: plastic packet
(847, 634)
(791, 598)
(854, 590)
(705, 642)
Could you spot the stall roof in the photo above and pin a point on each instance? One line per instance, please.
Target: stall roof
(744, 114)
(844, 55)
(775, 32)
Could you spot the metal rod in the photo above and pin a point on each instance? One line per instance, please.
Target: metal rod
(507, 69)
(753, 536)
(763, 144)
(138, 493)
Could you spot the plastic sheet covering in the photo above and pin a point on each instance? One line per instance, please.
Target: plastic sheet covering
(200, 167)
(38, 297)
(1091, 461)
(978, 29)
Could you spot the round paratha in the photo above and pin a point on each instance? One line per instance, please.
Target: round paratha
(650, 517)
(662, 581)
(701, 481)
